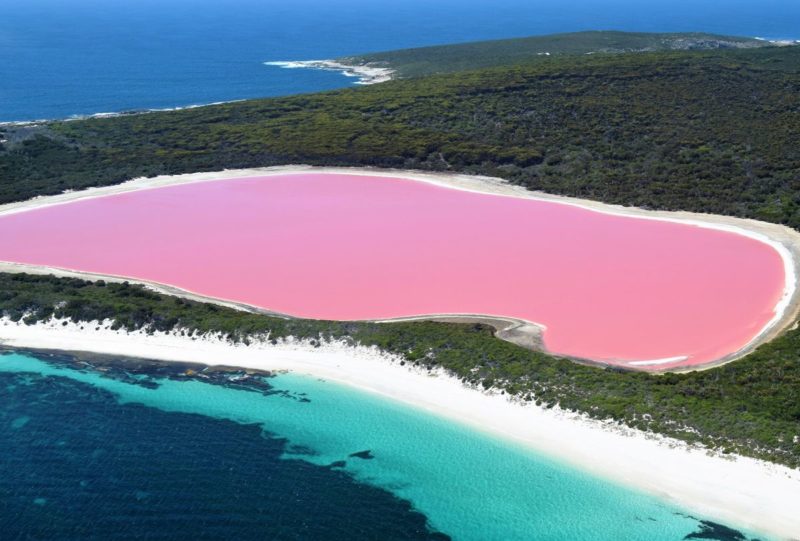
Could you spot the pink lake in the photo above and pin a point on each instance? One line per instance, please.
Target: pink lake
(348, 247)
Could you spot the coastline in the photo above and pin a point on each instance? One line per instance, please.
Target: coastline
(366, 74)
(741, 491)
(524, 333)
(113, 114)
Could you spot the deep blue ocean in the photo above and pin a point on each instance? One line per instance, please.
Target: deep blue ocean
(60, 58)
(131, 450)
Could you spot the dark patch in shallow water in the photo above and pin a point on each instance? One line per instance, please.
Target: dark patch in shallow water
(147, 372)
(366, 455)
(717, 532)
(86, 467)
(300, 450)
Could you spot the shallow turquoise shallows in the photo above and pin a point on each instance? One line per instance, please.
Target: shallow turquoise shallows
(469, 486)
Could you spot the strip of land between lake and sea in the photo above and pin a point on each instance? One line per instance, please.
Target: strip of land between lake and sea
(742, 491)
(785, 241)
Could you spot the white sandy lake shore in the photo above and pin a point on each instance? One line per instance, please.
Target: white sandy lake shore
(785, 241)
(740, 491)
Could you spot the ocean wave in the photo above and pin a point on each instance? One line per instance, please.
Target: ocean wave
(115, 114)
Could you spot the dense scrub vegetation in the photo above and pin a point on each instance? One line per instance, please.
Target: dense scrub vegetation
(704, 131)
(486, 54)
(750, 407)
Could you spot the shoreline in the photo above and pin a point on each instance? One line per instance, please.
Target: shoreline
(524, 333)
(113, 114)
(349, 70)
(366, 74)
(742, 492)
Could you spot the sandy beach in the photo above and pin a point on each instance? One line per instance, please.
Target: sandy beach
(785, 241)
(736, 490)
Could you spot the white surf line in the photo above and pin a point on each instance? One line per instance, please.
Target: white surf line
(367, 75)
(113, 114)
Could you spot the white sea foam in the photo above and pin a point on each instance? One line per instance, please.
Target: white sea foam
(366, 74)
(113, 114)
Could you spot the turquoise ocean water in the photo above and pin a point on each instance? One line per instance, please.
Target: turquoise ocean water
(157, 454)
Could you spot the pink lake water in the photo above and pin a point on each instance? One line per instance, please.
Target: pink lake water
(349, 247)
